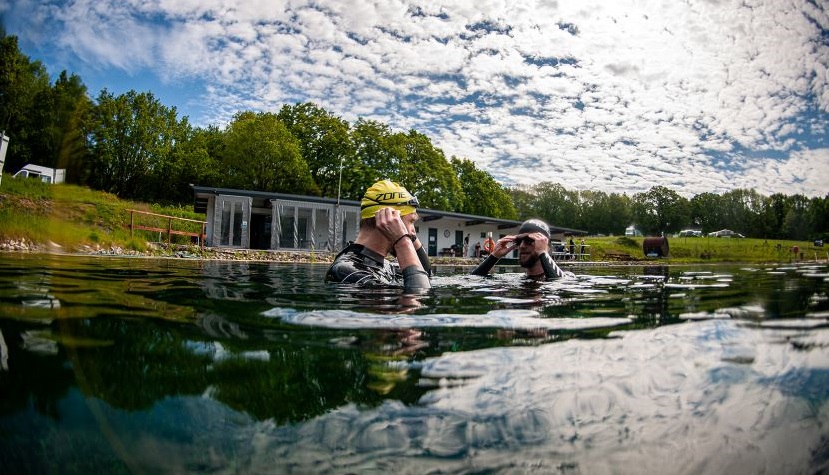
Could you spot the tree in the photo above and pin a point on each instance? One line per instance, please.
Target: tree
(424, 171)
(260, 153)
(25, 109)
(191, 161)
(660, 210)
(556, 205)
(324, 142)
(742, 210)
(707, 212)
(72, 108)
(480, 194)
(603, 213)
(524, 201)
(774, 214)
(796, 222)
(374, 157)
(129, 137)
(818, 213)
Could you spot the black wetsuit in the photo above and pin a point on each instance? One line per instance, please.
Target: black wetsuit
(357, 264)
(551, 270)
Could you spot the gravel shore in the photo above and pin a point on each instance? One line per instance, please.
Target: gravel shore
(163, 250)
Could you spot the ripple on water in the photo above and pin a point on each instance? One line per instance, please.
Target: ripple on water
(504, 318)
(662, 401)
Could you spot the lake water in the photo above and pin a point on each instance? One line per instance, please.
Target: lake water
(112, 365)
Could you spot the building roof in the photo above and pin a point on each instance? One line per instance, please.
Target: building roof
(203, 192)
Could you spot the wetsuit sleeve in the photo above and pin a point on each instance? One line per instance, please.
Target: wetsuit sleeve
(486, 266)
(551, 269)
(424, 260)
(414, 278)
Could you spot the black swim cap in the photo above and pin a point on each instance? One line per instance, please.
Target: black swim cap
(534, 226)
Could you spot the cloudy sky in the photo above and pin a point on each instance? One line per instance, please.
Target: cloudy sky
(617, 96)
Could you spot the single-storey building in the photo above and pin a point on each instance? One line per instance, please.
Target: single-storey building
(245, 219)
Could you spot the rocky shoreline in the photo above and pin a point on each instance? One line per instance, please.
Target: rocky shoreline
(163, 250)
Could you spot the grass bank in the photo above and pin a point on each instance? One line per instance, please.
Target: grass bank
(76, 219)
(708, 249)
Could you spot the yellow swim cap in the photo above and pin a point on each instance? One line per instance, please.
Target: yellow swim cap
(384, 194)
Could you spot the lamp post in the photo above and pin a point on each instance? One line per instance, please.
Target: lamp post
(337, 220)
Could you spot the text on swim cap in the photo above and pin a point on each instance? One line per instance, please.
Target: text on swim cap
(391, 195)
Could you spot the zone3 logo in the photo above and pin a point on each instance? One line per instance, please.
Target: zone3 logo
(391, 196)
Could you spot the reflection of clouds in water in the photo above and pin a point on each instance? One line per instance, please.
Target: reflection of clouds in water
(44, 301)
(704, 397)
(4, 354)
(746, 312)
(218, 326)
(699, 280)
(217, 352)
(508, 318)
(40, 342)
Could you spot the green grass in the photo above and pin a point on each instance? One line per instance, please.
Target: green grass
(709, 249)
(73, 216)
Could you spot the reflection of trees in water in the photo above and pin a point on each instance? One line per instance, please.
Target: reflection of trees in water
(165, 340)
(150, 361)
(39, 379)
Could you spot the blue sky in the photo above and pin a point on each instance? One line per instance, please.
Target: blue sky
(696, 95)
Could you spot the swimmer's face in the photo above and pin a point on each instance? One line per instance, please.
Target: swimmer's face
(409, 220)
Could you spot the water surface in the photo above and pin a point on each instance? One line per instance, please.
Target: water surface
(178, 366)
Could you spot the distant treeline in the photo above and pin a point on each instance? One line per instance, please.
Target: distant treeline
(137, 148)
(662, 210)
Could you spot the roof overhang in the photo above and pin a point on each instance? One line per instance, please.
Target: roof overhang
(205, 192)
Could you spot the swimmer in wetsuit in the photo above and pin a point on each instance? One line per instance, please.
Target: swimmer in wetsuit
(387, 216)
(532, 242)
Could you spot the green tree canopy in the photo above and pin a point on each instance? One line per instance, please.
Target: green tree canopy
(424, 170)
(603, 213)
(481, 194)
(260, 153)
(25, 107)
(72, 108)
(324, 142)
(374, 157)
(130, 136)
(554, 204)
(660, 209)
(707, 212)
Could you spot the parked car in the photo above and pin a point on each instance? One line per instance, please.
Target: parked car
(725, 233)
(690, 233)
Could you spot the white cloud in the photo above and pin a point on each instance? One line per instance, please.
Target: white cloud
(596, 95)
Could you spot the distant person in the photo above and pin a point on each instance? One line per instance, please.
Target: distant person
(466, 245)
(532, 242)
(572, 248)
(581, 251)
(387, 216)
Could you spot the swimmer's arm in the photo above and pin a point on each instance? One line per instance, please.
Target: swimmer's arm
(414, 275)
(502, 248)
(486, 266)
(415, 278)
(551, 269)
(424, 258)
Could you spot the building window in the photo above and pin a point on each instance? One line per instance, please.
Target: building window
(232, 223)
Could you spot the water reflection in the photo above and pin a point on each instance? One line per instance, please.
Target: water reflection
(189, 366)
